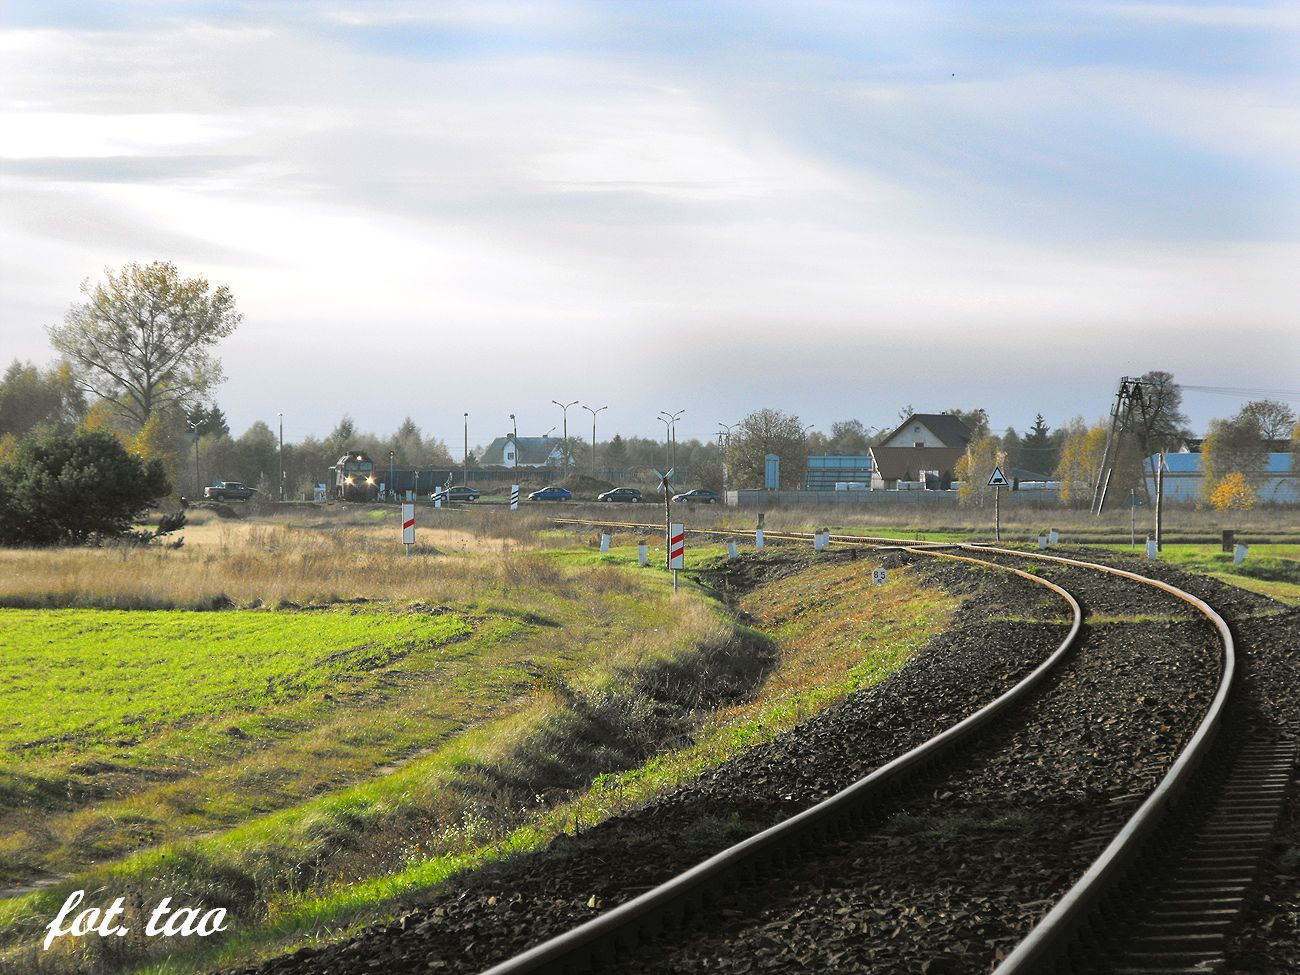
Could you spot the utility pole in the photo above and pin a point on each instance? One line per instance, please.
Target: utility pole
(195, 424)
(391, 486)
(1160, 503)
(466, 474)
(668, 517)
(1128, 399)
(281, 416)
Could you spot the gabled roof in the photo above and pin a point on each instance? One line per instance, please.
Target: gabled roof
(904, 463)
(528, 450)
(945, 426)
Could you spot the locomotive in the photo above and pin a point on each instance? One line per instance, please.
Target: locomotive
(354, 478)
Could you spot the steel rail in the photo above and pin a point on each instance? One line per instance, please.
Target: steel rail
(575, 947)
(1050, 942)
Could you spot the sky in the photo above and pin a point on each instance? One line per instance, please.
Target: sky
(834, 209)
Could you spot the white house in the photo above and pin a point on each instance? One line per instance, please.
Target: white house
(512, 451)
(923, 450)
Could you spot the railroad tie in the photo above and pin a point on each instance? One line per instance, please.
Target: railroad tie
(1208, 884)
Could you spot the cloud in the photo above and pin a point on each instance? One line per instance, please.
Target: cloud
(1240, 16)
(791, 188)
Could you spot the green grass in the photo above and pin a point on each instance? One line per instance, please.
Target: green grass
(1272, 569)
(81, 679)
(271, 760)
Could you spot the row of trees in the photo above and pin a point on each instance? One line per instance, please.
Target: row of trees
(138, 360)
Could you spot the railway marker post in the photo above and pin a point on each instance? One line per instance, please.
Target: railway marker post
(1239, 554)
(1053, 536)
(1042, 542)
(641, 555)
(604, 543)
(758, 539)
(514, 497)
(1152, 547)
(408, 526)
(879, 576)
(997, 481)
(731, 549)
(676, 550)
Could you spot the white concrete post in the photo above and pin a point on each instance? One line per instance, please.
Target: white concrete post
(731, 550)
(641, 555)
(1239, 554)
(604, 543)
(758, 539)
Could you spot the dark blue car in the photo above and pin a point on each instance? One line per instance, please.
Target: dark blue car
(550, 494)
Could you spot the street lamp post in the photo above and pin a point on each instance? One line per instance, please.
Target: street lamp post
(466, 474)
(725, 437)
(564, 414)
(668, 443)
(391, 486)
(593, 436)
(672, 419)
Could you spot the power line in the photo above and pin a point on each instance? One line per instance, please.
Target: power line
(1239, 390)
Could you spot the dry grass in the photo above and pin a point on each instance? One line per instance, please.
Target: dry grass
(340, 556)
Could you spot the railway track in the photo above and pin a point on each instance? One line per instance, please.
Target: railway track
(1081, 932)
(824, 890)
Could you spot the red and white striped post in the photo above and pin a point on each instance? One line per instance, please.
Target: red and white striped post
(408, 526)
(676, 550)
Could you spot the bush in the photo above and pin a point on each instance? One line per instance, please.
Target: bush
(74, 487)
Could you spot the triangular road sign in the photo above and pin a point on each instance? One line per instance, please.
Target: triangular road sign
(998, 479)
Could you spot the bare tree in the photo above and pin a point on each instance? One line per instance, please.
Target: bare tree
(1275, 419)
(1165, 424)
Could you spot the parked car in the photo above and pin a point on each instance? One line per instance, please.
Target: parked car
(701, 495)
(620, 494)
(458, 492)
(228, 491)
(551, 494)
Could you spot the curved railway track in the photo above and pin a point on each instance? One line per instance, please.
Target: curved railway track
(1072, 933)
(815, 880)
